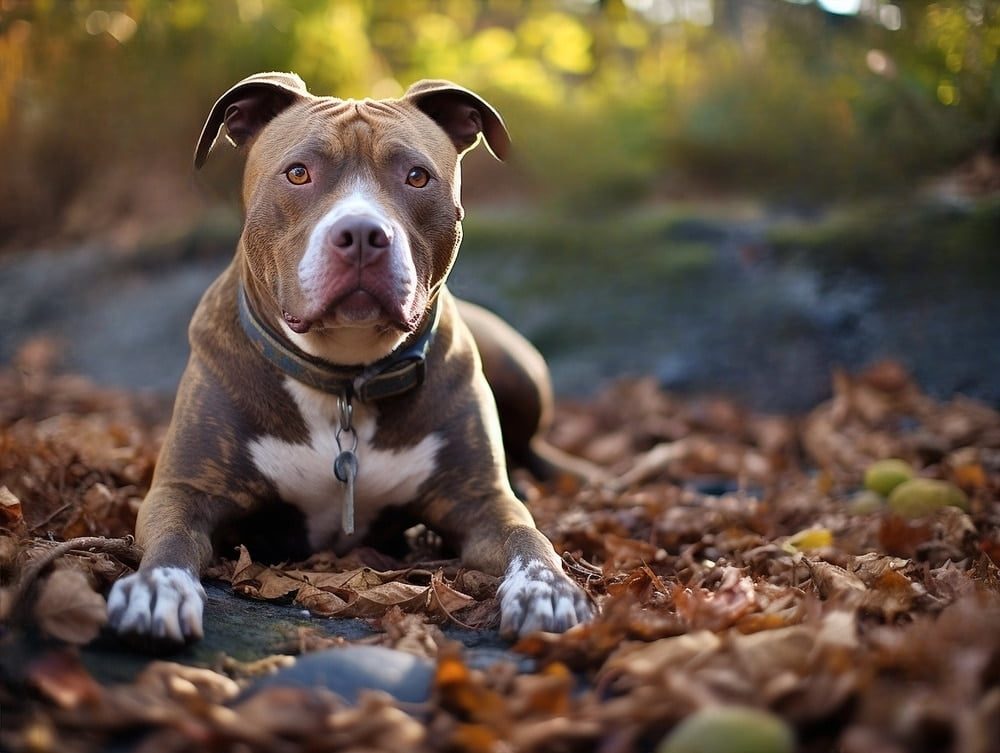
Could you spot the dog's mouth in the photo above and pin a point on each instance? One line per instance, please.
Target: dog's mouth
(355, 308)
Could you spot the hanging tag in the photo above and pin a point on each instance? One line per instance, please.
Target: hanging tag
(345, 468)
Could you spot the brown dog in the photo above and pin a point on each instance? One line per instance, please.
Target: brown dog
(335, 387)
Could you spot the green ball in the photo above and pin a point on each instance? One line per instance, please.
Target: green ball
(885, 475)
(729, 729)
(922, 496)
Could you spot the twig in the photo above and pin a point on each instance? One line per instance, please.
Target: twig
(52, 517)
(444, 609)
(124, 548)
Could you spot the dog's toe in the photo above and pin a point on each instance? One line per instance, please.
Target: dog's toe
(163, 604)
(535, 596)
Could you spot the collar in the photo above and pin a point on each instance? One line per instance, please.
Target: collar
(398, 373)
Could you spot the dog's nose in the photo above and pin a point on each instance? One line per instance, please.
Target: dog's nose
(360, 238)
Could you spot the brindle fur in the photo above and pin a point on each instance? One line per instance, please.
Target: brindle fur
(206, 480)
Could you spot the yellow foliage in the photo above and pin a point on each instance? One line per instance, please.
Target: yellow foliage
(492, 45)
(333, 52)
(810, 538)
(13, 53)
(187, 14)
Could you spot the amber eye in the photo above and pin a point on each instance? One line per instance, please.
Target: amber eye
(297, 175)
(417, 177)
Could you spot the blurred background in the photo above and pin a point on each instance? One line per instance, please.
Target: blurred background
(731, 196)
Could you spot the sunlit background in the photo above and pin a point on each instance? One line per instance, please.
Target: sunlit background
(610, 103)
(663, 150)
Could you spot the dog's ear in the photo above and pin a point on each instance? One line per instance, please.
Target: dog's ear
(247, 108)
(462, 114)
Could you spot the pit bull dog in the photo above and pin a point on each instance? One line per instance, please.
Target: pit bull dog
(335, 388)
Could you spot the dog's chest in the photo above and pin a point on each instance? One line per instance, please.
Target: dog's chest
(303, 472)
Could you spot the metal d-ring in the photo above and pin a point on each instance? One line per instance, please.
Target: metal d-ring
(346, 424)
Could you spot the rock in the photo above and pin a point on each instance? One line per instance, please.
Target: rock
(725, 729)
(919, 497)
(885, 475)
(349, 670)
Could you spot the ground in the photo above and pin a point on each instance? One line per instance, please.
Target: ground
(736, 558)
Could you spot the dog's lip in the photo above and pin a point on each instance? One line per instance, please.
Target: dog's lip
(337, 313)
(296, 324)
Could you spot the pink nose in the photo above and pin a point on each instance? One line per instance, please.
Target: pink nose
(359, 239)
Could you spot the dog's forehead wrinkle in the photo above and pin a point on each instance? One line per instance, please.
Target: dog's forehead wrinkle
(383, 131)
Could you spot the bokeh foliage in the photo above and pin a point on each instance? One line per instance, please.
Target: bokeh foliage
(610, 103)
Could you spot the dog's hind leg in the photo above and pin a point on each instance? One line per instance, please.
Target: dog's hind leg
(519, 378)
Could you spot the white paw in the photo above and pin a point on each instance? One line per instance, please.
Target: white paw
(163, 603)
(536, 596)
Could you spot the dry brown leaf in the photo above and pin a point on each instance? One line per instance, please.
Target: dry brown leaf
(901, 537)
(61, 677)
(661, 558)
(243, 562)
(359, 579)
(180, 682)
(465, 691)
(69, 609)
(648, 660)
(720, 609)
(891, 595)
(410, 633)
(834, 582)
(9, 548)
(11, 515)
(285, 712)
(768, 653)
(445, 598)
(376, 601)
(321, 603)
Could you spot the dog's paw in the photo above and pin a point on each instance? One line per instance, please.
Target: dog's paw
(162, 604)
(536, 596)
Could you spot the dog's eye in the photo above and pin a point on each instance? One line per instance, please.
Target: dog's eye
(297, 175)
(417, 177)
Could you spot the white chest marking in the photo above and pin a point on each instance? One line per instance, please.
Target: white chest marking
(303, 472)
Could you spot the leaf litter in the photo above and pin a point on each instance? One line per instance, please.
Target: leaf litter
(729, 562)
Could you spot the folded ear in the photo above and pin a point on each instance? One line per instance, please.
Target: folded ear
(247, 108)
(462, 114)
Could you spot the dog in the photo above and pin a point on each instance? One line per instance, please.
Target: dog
(335, 388)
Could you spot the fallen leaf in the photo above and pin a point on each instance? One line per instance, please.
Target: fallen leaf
(69, 609)
(832, 581)
(465, 691)
(445, 598)
(358, 579)
(376, 601)
(719, 609)
(648, 660)
(901, 537)
(319, 602)
(810, 538)
(11, 515)
(970, 476)
(180, 681)
(891, 595)
(61, 677)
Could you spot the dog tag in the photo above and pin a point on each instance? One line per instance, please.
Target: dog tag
(345, 468)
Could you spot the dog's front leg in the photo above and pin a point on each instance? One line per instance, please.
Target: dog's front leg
(498, 536)
(164, 600)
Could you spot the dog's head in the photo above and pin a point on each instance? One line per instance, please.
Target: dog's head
(353, 213)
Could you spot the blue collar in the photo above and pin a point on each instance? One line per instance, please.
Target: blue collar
(396, 374)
